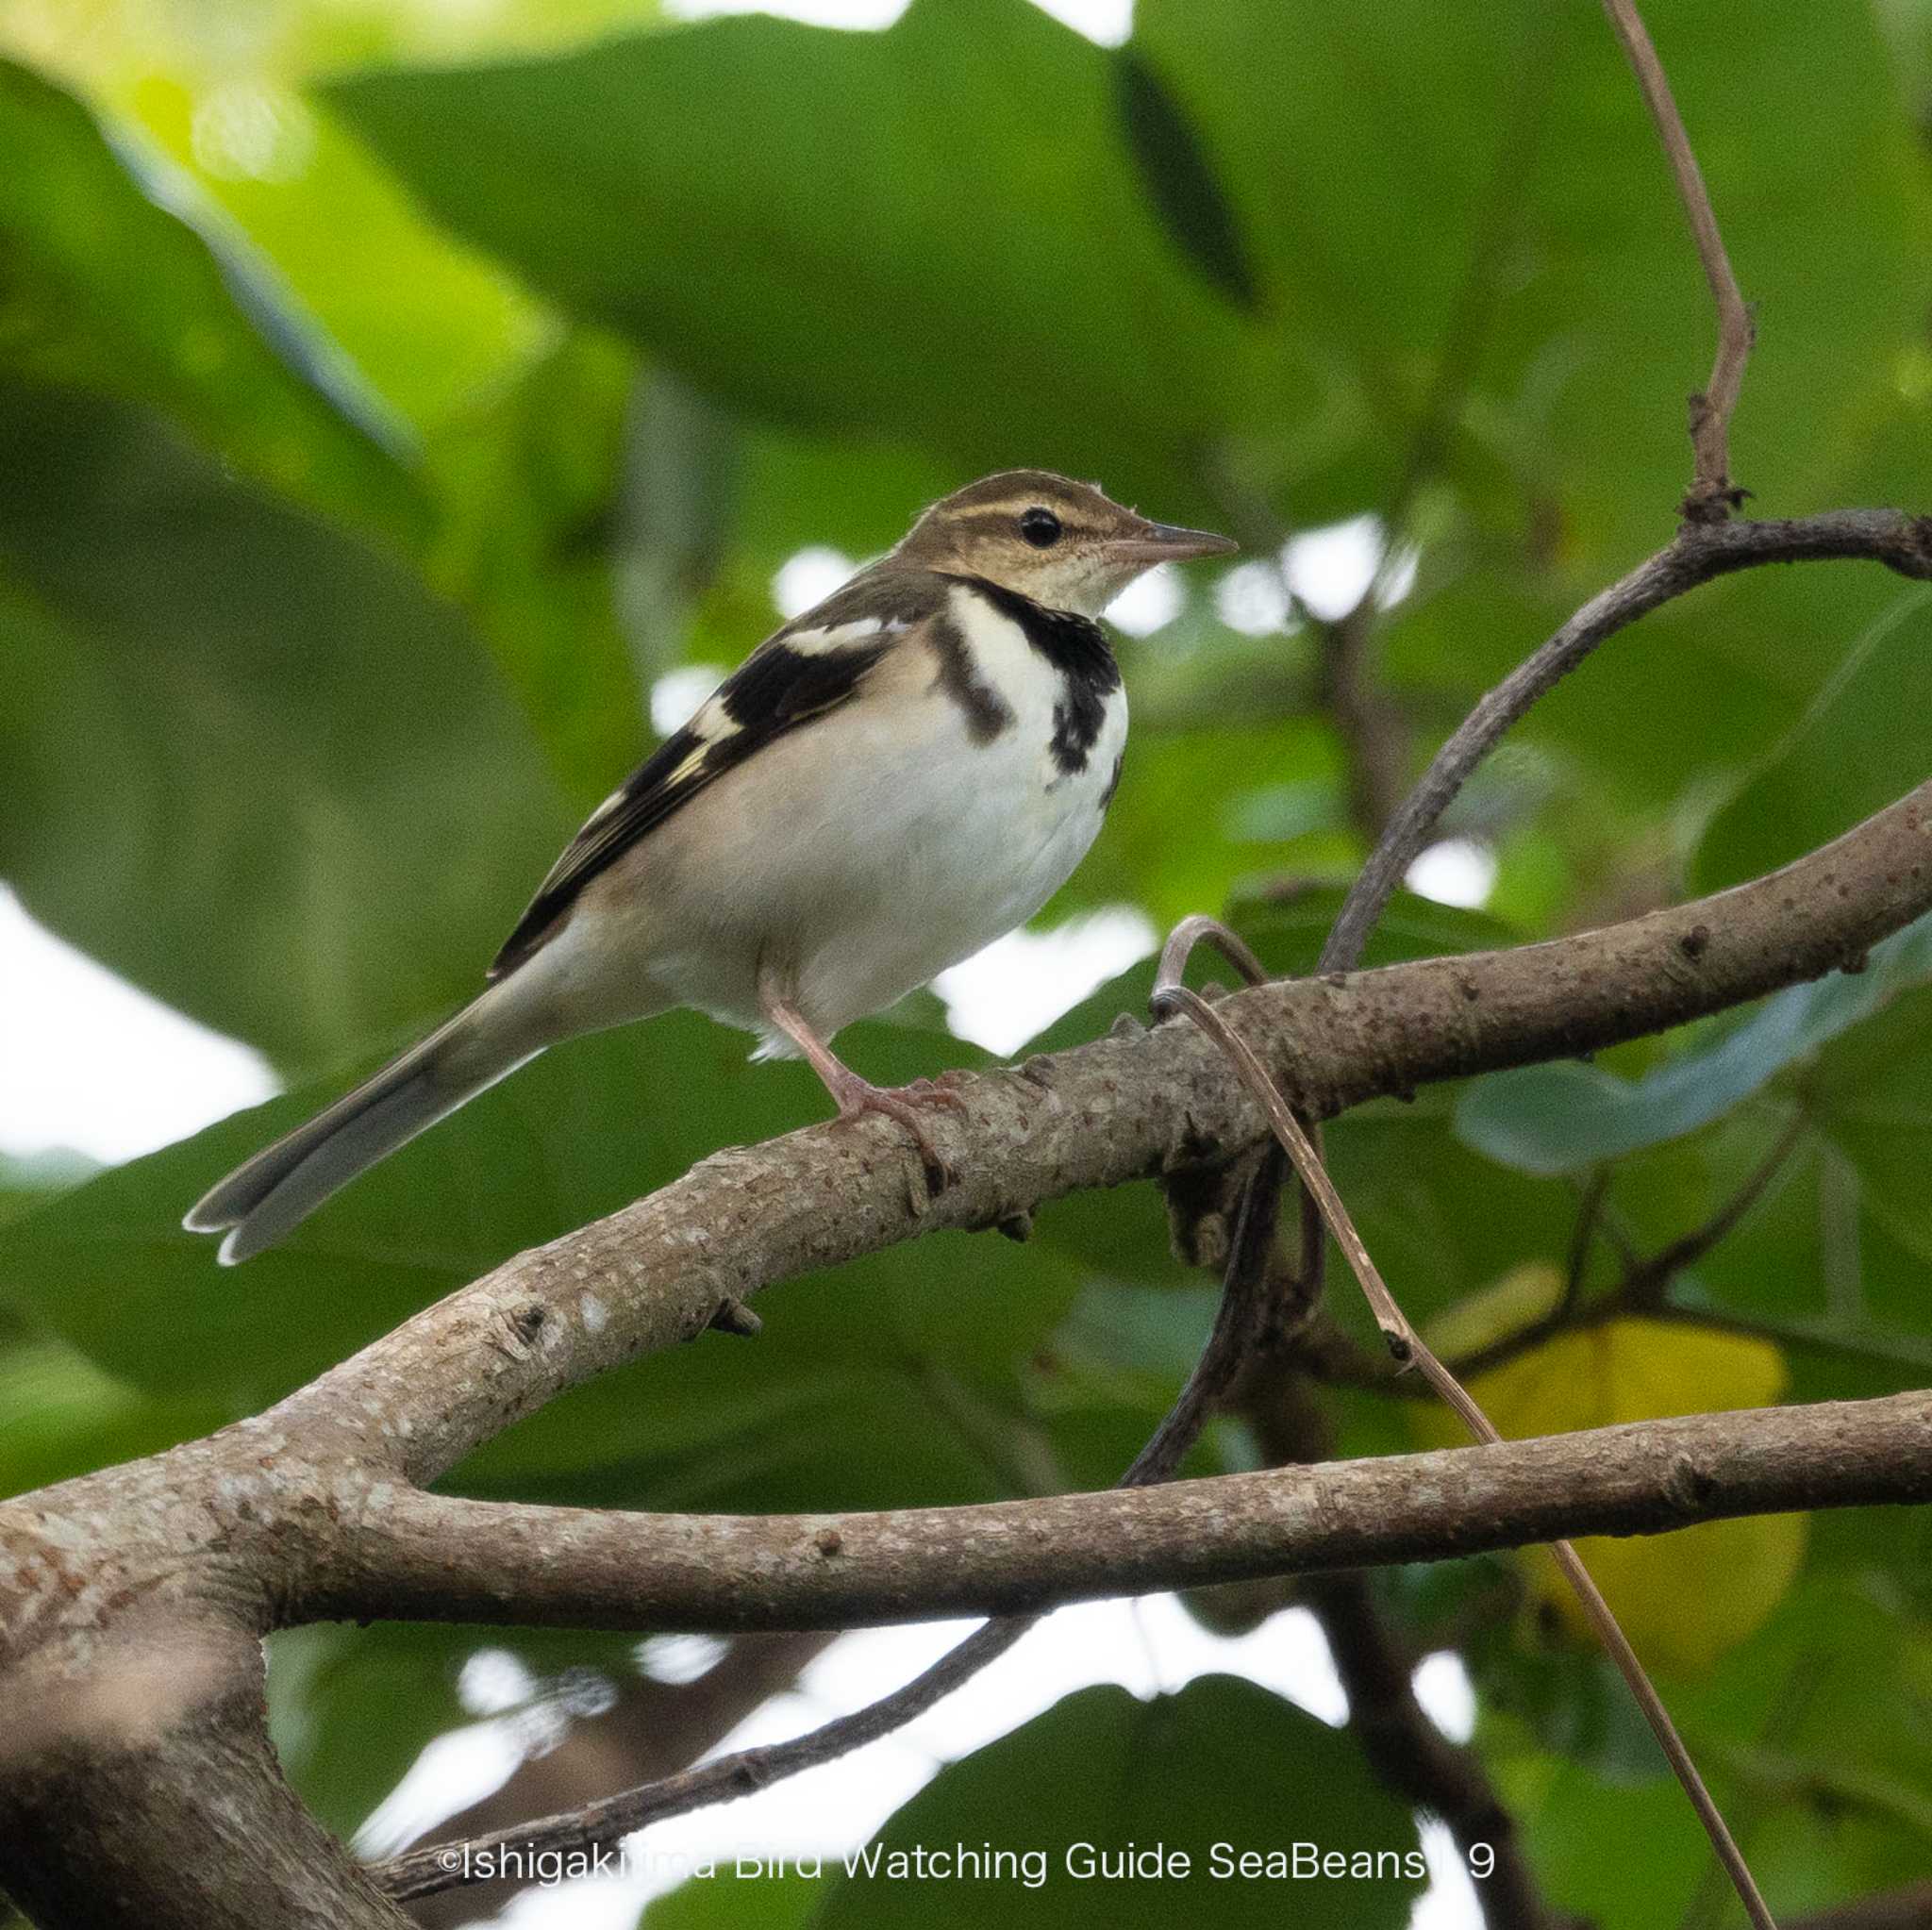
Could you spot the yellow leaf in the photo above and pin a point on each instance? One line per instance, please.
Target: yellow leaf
(1683, 1598)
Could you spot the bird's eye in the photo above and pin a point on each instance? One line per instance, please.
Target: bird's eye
(1040, 527)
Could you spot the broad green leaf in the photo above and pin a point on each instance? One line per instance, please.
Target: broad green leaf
(1624, 1857)
(252, 764)
(434, 326)
(1683, 1598)
(31, 1181)
(1220, 1770)
(110, 287)
(1563, 1117)
(1874, 1098)
(1863, 742)
(780, 1897)
(535, 544)
(938, 233)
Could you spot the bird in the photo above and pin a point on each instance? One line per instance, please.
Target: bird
(896, 777)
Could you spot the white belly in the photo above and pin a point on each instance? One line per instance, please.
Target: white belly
(864, 854)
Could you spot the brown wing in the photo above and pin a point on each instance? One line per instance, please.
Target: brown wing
(811, 667)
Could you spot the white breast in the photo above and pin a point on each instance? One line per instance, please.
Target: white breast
(865, 853)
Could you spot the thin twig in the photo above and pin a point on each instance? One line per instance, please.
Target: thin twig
(1640, 1293)
(1407, 1346)
(1644, 1285)
(1589, 1216)
(1712, 495)
(1700, 553)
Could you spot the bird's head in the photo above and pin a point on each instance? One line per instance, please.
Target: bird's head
(1062, 543)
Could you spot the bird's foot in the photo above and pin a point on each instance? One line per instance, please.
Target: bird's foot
(905, 1104)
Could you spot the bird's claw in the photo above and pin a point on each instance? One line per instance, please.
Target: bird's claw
(903, 1105)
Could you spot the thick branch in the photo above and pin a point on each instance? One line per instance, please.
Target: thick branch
(241, 1516)
(435, 1558)
(137, 1780)
(1118, 1110)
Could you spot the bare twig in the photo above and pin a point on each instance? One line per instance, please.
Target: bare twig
(1699, 554)
(650, 1727)
(1588, 1213)
(1712, 495)
(1407, 1346)
(1643, 1285)
(1640, 1293)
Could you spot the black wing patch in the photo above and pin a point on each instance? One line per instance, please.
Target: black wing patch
(778, 688)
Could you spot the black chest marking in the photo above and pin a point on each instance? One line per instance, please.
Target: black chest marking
(1077, 646)
(987, 712)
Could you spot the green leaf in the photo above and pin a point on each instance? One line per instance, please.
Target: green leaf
(1222, 1770)
(1564, 1116)
(432, 325)
(32, 1180)
(62, 1416)
(936, 233)
(1180, 181)
(110, 287)
(1863, 742)
(252, 764)
(776, 1899)
(1580, 1830)
(1874, 1093)
(534, 544)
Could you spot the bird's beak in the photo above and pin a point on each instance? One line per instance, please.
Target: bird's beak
(1162, 543)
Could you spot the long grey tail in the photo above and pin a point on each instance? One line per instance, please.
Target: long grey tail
(261, 1202)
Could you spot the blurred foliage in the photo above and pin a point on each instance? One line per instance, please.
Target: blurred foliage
(391, 395)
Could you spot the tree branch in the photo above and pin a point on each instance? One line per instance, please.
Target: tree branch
(461, 1560)
(138, 1785)
(652, 1728)
(1117, 1110)
(1712, 495)
(439, 1559)
(1699, 554)
(1243, 1307)
(250, 1511)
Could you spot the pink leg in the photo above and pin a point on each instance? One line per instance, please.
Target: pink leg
(854, 1096)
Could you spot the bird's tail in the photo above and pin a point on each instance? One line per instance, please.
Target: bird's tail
(261, 1202)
